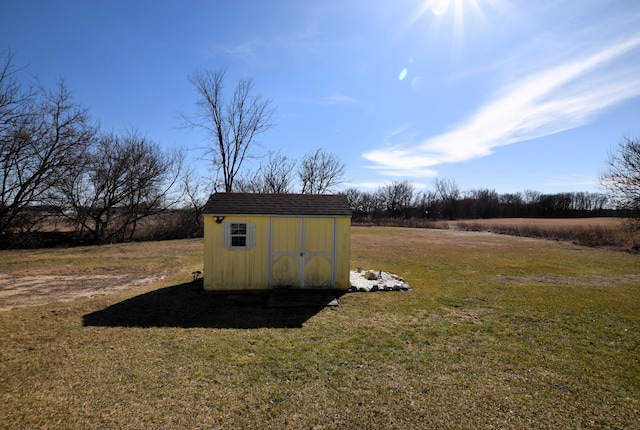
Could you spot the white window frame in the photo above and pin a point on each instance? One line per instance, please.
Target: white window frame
(228, 234)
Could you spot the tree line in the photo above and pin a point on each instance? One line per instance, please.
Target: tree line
(447, 201)
(56, 161)
(58, 165)
(232, 125)
(59, 168)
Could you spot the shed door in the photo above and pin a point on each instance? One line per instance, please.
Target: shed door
(302, 252)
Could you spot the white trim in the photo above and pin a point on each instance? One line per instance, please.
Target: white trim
(250, 235)
(270, 261)
(301, 255)
(280, 216)
(334, 250)
(226, 235)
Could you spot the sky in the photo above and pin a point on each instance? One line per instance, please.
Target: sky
(508, 95)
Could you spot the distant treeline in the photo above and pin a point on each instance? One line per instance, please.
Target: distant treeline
(47, 227)
(400, 200)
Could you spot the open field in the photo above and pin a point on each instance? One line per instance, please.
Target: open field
(498, 332)
(608, 222)
(615, 233)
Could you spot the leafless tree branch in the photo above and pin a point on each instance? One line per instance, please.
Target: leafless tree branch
(232, 125)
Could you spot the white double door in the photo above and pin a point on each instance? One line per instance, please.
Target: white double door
(302, 252)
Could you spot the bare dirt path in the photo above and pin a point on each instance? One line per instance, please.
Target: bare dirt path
(23, 291)
(42, 276)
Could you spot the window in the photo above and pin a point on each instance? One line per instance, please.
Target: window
(238, 235)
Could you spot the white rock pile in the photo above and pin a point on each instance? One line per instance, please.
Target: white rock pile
(376, 280)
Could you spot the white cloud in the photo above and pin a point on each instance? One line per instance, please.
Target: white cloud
(336, 99)
(570, 182)
(245, 51)
(333, 99)
(543, 102)
(373, 186)
(365, 185)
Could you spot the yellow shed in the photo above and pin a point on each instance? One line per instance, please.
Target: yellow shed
(265, 241)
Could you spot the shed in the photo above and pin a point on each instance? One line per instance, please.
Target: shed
(267, 241)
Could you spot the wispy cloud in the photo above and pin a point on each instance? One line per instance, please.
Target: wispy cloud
(299, 43)
(335, 98)
(245, 51)
(373, 186)
(543, 102)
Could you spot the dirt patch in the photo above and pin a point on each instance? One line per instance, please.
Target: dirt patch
(23, 291)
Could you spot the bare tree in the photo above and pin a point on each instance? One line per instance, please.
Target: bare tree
(354, 196)
(449, 193)
(250, 182)
(14, 100)
(15, 104)
(44, 135)
(622, 178)
(121, 180)
(480, 203)
(372, 203)
(397, 197)
(277, 173)
(194, 187)
(511, 204)
(364, 204)
(320, 172)
(232, 125)
(274, 176)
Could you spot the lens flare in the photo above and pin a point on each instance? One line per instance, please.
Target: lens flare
(403, 74)
(439, 7)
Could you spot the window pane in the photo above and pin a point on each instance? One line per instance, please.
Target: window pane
(238, 229)
(238, 241)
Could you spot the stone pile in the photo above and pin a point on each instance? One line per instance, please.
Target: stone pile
(376, 280)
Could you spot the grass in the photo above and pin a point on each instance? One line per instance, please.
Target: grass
(615, 233)
(498, 332)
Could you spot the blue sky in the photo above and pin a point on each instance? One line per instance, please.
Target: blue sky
(510, 95)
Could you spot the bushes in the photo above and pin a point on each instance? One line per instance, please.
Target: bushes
(52, 231)
(176, 224)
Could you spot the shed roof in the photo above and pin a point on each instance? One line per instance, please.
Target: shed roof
(277, 204)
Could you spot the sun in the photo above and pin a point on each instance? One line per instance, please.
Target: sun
(458, 15)
(439, 7)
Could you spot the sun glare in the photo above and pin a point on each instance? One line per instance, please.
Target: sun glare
(459, 15)
(439, 7)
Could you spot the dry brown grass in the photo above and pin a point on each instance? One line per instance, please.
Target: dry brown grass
(599, 232)
(41, 276)
(608, 222)
(498, 332)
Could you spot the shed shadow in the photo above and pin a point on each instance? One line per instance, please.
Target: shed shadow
(185, 306)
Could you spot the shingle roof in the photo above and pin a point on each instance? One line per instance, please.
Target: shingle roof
(277, 204)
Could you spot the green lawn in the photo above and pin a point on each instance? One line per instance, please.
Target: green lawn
(498, 332)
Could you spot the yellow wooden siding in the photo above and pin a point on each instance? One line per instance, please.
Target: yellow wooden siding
(343, 253)
(318, 234)
(318, 252)
(231, 269)
(235, 269)
(287, 236)
(285, 252)
(318, 272)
